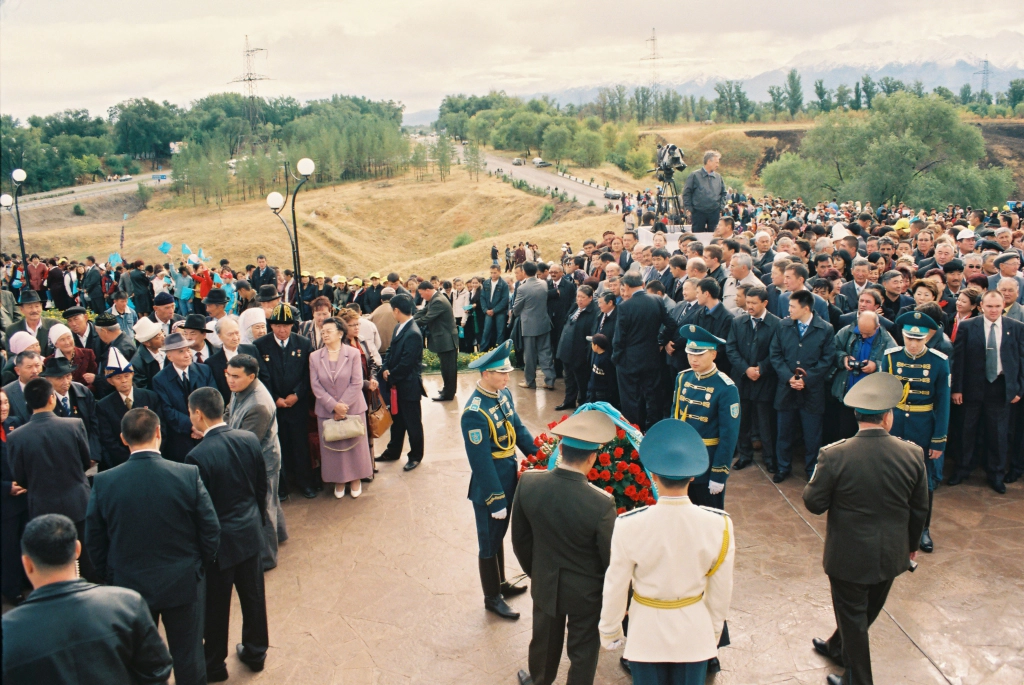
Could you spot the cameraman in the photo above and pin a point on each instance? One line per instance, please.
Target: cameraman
(860, 350)
(704, 194)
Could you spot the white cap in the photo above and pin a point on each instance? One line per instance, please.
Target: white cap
(56, 331)
(965, 234)
(146, 329)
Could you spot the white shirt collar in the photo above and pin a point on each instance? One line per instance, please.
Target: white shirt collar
(229, 354)
(181, 372)
(129, 396)
(216, 425)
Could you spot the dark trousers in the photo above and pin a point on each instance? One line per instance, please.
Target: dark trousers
(294, 437)
(583, 646)
(789, 421)
(449, 372)
(704, 222)
(183, 626)
(409, 419)
(856, 606)
(645, 673)
(577, 378)
(13, 580)
(702, 497)
(490, 532)
(994, 410)
(247, 577)
(638, 395)
(757, 415)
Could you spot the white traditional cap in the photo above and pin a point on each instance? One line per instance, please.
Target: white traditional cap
(965, 234)
(116, 363)
(56, 331)
(840, 231)
(146, 329)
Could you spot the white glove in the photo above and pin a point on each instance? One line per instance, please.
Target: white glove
(715, 487)
(500, 514)
(614, 644)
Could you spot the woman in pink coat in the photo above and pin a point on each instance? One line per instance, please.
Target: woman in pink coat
(336, 376)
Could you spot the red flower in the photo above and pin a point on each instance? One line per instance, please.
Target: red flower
(541, 467)
(645, 494)
(609, 489)
(634, 469)
(618, 475)
(634, 455)
(592, 475)
(537, 441)
(618, 452)
(606, 475)
(620, 510)
(630, 491)
(651, 502)
(620, 434)
(532, 459)
(621, 466)
(604, 459)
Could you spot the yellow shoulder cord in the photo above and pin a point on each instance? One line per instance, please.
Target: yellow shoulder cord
(724, 551)
(511, 432)
(906, 386)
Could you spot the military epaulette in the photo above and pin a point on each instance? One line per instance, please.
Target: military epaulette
(725, 378)
(633, 511)
(833, 444)
(940, 355)
(601, 490)
(720, 512)
(892, 350)
(474, 404)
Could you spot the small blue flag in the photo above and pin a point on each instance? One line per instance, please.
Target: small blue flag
(202, 255)
(125, 218)
(114, 259)
(217, 279)
(165, 247)
(184, 249)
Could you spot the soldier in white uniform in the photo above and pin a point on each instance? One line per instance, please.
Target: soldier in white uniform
(679, 558)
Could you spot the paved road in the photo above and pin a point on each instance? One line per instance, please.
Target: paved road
(60, 196)
(547, 177)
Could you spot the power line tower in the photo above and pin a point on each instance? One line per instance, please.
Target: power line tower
(653, 58)
(249, 78)
(984, 75)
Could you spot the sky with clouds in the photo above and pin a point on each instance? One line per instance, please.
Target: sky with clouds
(56, 54)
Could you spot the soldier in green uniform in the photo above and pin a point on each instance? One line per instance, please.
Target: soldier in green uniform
(492, 430)
(708, 400)
(922, 416)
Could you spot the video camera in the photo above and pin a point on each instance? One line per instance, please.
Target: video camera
(670, 160)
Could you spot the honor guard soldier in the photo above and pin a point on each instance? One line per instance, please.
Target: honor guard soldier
(922, 416)
(492, 430)
(679, 559)
(708, 400)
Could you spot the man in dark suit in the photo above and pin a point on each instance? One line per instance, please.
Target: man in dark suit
(77, 320)
(802, 354)
(711, 315)
(494, 304)
(401, 372)
(607, 316)
(231, 337)
(561, 534)
(27, 365)
(284, 358)
(71, 631)
(894, 299)
(110, 334)
(875, 491)
(149, 358)
(173, 385)
(558, 308)
(988, 379)
(749, 349)
(231, 465)
(530, 306)
(438, 319)
(152, 528)
(262, 274)
(92, 283)
(31, 308)
(574, 347)
(49, 457)
(851, 290)
(112, 408)
(74, 400)
(163, 313)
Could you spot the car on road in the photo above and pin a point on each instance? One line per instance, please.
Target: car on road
(517, 162)
(126, 177)
(540, 163)
(612, 194)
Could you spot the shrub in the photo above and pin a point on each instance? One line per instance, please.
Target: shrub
(546, 213)
(78, 210)
(462, 239)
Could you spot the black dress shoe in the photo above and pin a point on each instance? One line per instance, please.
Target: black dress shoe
(497, 605)
(831, 679)
(714, 665)
(282, 497)
(1012, 477)
(780, 476)
(524, 678)
(309, 493)
(997, 485)
(625, 665)
(253, 664)
(387, 457)
(742, 464)
(770, 467)
(410, 465)
(509, 590)
(564, 406)
(217, 676)
(926, 541)
(957, 478)
(821, 647)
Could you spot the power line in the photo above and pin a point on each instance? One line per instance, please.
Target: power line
(249, 78)
(653, 58)
(984, 75)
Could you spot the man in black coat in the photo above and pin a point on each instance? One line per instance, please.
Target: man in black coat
(401, 372)
(151, 527)
(574, 347)
(92, 283)
(988, 379)
(71, 631)
(438, 319)
(749, 350)
(607, 317)
(636, 353)
(149, 358)
(558, 308)
(110, 334)
(74, 400)
(163, 313)
(875, 490)
(230, 337)
(173, 385)
(49, 457)
(262, 274)
(802, 354)
(231, 465)
(494, 300)
(77, 320)
(712, 316)
(284, 358)
(112, 408)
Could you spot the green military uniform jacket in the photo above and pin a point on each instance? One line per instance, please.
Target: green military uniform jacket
(711, 404)
(492, 430)
(925, 406)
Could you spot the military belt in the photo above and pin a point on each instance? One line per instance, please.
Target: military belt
(666, 603)
(915, 408)
(503, 454)
(710, 442)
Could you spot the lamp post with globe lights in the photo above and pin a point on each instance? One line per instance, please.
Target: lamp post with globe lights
(276, 202)
(18, 177)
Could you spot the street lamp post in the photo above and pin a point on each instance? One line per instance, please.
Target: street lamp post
(276, 202)
(18, 177)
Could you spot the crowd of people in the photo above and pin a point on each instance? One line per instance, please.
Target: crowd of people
(195, 400)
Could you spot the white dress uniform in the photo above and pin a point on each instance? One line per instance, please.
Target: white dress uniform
(679, 557)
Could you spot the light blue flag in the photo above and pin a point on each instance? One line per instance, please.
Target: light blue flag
(202, 255)
(114, 259)
(165, 247)
(184, 249)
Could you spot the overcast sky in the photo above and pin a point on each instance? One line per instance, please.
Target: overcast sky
(56, 54)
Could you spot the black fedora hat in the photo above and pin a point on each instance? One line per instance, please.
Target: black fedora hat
(56, 367)
(216, 296)
(195, 322)
(29, 296)
(268, 293)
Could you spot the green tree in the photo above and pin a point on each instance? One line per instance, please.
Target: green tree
(1015, 92)
(442, 152)
(794, 92)
(824, 96)
(855, 100)
(869, 89)
(588, 150)
(917, 88)
(144, 193)
(418, 161)
(966, 97)
(945, 93)
(638, 162)
(778, 100)
(144, 127)
(557, 142)
(890, 85)
(843, 95)
(475, 162)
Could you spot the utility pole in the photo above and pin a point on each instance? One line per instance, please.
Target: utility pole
(653, 58)
(984, 75)
(249, 78)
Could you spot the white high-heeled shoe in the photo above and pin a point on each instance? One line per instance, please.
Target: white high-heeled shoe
(339, 493)
(352, 489)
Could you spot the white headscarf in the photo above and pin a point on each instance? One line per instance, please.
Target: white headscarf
(56, 331)
(248, 319)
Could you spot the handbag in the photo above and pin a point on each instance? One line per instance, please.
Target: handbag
(346, 429)
(378, 416)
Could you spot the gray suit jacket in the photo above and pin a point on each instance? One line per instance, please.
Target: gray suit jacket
(49, 456)
(531, 306)
(1015, 312)
(438, 320)
(17, 399)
